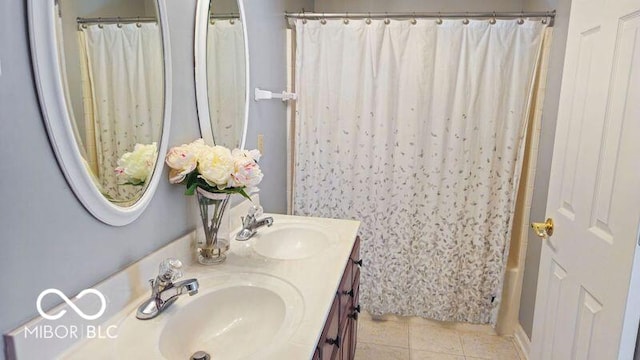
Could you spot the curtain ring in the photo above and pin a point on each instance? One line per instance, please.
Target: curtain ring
(521, 19)
(139, 25)
(492, 21)
(368, 20)
(304, 19)
(84, 26)
(100, 26)
(466, 20)
(232, 21)
(386, 20)
(346, 19)
(439, 19)
(414, 21)
(544, 21)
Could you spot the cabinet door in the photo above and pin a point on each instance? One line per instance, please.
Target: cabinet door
(345, 350)
(355, 304)
(330, 340)
(345, 295)
(353, 319)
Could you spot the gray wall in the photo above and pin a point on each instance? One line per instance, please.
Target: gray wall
(48, 239)
(267, 50)
(547, 136)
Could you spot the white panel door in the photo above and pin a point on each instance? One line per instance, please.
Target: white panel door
(594, 193)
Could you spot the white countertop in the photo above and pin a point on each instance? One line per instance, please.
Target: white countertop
(316, 278)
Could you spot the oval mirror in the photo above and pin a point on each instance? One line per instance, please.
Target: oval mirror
(221, 70)
(102, 72)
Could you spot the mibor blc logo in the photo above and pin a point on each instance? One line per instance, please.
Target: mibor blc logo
(47, 331)
(103, 304)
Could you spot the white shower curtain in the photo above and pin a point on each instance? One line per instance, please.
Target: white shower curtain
(123, 91)
(417, 130)
(226, 81)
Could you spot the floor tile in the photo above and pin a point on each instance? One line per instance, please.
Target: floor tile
(428, 355)
(366, 351)
(435, 339)
(481, 328)
(488, 346)
(390, 333)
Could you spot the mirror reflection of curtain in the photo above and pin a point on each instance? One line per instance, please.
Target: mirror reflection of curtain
(123, 87)
(226, 81)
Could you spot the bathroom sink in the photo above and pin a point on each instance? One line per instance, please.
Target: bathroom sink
(234, 316)
(289, 241)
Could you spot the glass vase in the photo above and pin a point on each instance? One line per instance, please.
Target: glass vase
(211, 247)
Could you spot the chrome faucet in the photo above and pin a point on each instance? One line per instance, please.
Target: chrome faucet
(251, 224)
(164, 291)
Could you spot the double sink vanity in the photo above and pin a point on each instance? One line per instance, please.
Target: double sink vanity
(289, 292)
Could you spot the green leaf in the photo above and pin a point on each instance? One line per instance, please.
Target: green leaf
(244, 193)
(191, 189)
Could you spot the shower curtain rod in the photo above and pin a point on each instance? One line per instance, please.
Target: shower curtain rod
(410, 15)
(100, 20)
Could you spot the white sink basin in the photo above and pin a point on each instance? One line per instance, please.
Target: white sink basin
(289, 241)
(234, 316)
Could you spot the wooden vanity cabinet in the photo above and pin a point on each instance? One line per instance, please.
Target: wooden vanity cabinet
(340, 333)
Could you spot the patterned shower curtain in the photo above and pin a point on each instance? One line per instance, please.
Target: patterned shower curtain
(226, 81)
(123, 91)
(417, 130)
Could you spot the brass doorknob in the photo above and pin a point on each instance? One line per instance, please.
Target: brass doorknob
(543, 230)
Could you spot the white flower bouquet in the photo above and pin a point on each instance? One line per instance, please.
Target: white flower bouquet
(136, 166)
(215, 169)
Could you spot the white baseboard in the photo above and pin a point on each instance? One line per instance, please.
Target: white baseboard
(523, 344)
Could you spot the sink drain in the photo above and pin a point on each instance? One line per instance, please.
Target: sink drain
(200, 355)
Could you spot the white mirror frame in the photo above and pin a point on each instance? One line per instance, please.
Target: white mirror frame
(200, 53)
(49, 83)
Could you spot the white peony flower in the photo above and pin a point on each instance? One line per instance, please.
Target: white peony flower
(182, 161)
(215, 165)
(136, 166)
(197, 146)
(246, 172)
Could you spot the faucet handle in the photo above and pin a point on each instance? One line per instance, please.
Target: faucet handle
(170, 269)
(255, 211)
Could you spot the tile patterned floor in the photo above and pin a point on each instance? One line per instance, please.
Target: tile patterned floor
(401, 338)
